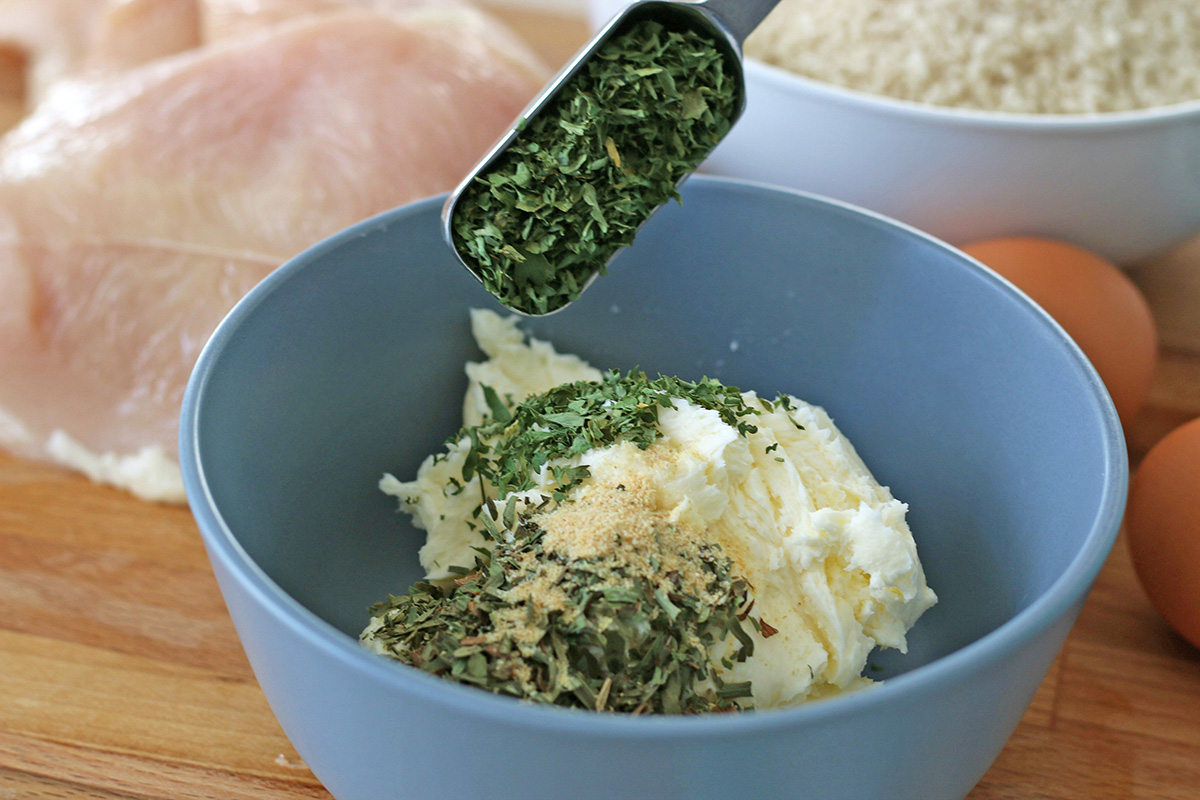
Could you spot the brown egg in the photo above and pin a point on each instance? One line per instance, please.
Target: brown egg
(1162, 525)
(1094, 301)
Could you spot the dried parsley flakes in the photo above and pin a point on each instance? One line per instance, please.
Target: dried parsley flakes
(509, 447)
(589, 169)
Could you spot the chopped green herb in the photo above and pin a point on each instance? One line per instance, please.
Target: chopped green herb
(597, 634)
(587, 171)
(509, 448)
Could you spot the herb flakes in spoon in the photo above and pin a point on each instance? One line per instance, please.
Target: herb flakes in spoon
(588, 170)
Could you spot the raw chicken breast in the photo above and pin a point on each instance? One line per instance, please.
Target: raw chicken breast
(133, 32)
(51, 36)
(225, 19)
(46, 41)
(135, 210)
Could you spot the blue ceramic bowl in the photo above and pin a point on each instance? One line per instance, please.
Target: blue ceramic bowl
(959, 393)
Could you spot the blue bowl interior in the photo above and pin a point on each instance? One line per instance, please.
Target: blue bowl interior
(958, 393)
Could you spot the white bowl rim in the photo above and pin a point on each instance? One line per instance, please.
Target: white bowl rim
(1068, 588)
(792, 82)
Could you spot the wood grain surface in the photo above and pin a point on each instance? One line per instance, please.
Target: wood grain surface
(121, 675)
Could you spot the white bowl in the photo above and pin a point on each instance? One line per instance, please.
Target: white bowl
(1125, 185)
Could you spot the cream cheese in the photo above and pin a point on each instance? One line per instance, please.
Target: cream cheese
(831, 563)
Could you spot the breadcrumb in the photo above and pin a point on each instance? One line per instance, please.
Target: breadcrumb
(1025, 56)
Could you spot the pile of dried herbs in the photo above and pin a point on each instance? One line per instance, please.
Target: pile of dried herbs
(622, 641)
(588, 170)
(512, 445)
(509, 447)
(631, 628)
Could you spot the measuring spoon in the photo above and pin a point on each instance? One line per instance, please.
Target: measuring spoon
(726, 23)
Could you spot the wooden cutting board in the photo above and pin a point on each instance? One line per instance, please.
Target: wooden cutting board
(121, 675)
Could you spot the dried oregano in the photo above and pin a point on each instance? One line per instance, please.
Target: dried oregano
(620, 641)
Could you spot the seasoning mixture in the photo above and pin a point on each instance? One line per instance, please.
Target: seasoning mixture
(613, 542)
(603, 603)
(588, 170)
(1030, 56)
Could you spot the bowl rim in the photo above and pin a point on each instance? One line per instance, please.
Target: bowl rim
(222, 545)
(792, 82)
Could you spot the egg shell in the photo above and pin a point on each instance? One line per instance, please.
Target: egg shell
(1162, 527)
(1097, 304)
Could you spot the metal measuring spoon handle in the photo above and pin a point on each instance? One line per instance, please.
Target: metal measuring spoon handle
(739, 17)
